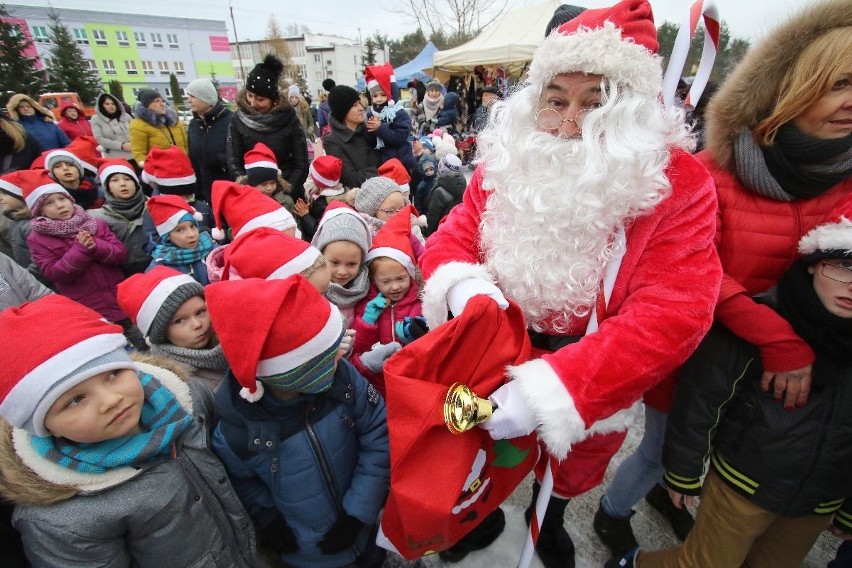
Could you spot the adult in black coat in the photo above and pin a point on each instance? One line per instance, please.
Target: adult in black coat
(263, 115)
(208, 136)
(18, 148)
(349, 139)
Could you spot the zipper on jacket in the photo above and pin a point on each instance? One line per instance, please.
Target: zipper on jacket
(393, 322)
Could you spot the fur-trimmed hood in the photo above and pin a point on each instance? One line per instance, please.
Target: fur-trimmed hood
(22, 485)
(750, 92)
(15, 100)
(154, 119)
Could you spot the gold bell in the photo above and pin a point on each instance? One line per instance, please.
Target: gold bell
(463, 409)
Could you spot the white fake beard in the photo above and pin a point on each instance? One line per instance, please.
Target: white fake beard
(548, 229)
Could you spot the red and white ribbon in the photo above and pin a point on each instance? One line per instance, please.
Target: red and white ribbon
(707, 10)
(544, 494)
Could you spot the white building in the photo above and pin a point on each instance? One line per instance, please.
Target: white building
(315, 56)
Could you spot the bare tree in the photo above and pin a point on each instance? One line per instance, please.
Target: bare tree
(457, 20)
(274, 42)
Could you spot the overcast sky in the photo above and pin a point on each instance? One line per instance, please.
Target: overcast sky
(750, 19)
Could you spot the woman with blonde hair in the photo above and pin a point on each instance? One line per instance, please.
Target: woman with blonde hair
(779, 148)
(36, 120)
(303, 111)
(18, 148)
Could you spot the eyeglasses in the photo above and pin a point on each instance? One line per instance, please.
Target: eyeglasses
(390, 211)
(838, 272)
(550, 119)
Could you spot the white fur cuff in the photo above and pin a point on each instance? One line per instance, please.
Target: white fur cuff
(435, 291)
(561, 426)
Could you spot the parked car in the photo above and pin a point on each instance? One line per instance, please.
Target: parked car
(54, 102)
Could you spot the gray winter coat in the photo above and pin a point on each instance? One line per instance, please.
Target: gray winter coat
(177, 513)
(111, 133)
(17, 285)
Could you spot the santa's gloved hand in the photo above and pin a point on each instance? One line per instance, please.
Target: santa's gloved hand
(462, 291)
(374, 309)
(346, 343)
(410, 328)
(375, 359)
(341, 535)
(512, 415)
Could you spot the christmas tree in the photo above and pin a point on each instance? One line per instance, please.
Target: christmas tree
(18, 73)
(69, 70)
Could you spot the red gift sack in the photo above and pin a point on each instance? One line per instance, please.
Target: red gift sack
(443, 484)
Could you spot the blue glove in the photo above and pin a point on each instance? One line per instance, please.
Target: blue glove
(410, 328)
(374, 309)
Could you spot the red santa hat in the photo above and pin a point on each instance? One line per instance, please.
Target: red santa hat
(167, 210)
(37, 187)
(393, 240)
(272, 349)
(394, 170)
(619, 42)
(116, 166)
(151, 299)
(86, 150)
(269, 254)
(245, 208)
(42, 371)
(325, 172)
(13, 182)
(170, 170)
(261, 165)
(380, 76)
(832, 238)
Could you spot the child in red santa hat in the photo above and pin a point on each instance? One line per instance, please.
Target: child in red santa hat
(75, 168)
(322, 186)
(387, 120)
(262, 173)
(170, 311)
(107, 460)
(75, 251)
(292, 407)
(393, 299)
(181, 244)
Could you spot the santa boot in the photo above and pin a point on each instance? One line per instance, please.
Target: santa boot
(554, 547)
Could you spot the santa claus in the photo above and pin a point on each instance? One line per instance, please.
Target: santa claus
(587, 210)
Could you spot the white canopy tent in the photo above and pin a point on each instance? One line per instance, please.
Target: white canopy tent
(509, 41)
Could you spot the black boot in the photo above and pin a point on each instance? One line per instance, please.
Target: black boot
(680, 519)
(615, 532)
(554, 547)
(482, 536)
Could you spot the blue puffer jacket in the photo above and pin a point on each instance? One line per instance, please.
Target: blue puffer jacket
(45, 132)
(449, 115)
(311, 458)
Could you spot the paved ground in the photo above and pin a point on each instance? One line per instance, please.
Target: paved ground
(648, 525)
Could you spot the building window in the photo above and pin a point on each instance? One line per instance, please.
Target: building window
(80, 36)
(109, 66)
(168, 92)
(122, 39)
(164, 67)
(156, 40)
(317, 58)
(92, 65)
(173, 42)
(130, 67)
(179, 70)
(303, 71)
(139, 38)
(100, 37)
(328, 62)
(40, 34)
(147, 68)
(329, 73)
(318, 75)
(46, 62)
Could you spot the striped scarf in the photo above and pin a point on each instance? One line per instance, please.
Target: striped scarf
(167, 253)
(163, 420)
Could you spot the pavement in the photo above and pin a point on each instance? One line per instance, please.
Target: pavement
(650, 528)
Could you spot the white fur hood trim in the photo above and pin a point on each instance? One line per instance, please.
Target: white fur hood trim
(436, 288)
(561, 426)
(600, 51)
(90, 482)
(831, 236)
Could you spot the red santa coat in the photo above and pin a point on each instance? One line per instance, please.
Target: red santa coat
(660, 308)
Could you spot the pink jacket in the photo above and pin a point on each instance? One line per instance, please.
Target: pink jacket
(86, 276)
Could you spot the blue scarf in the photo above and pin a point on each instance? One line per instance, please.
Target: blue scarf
(167, 253)
(163, 420)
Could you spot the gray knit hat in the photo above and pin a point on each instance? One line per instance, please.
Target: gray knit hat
(147, 96)
(343, 223)
(172, 303)
(203, 89)
(373, 192)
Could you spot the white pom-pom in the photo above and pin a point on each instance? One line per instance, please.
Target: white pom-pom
(218, 234)
(252, 396)
(420, 221)
(198, 216)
